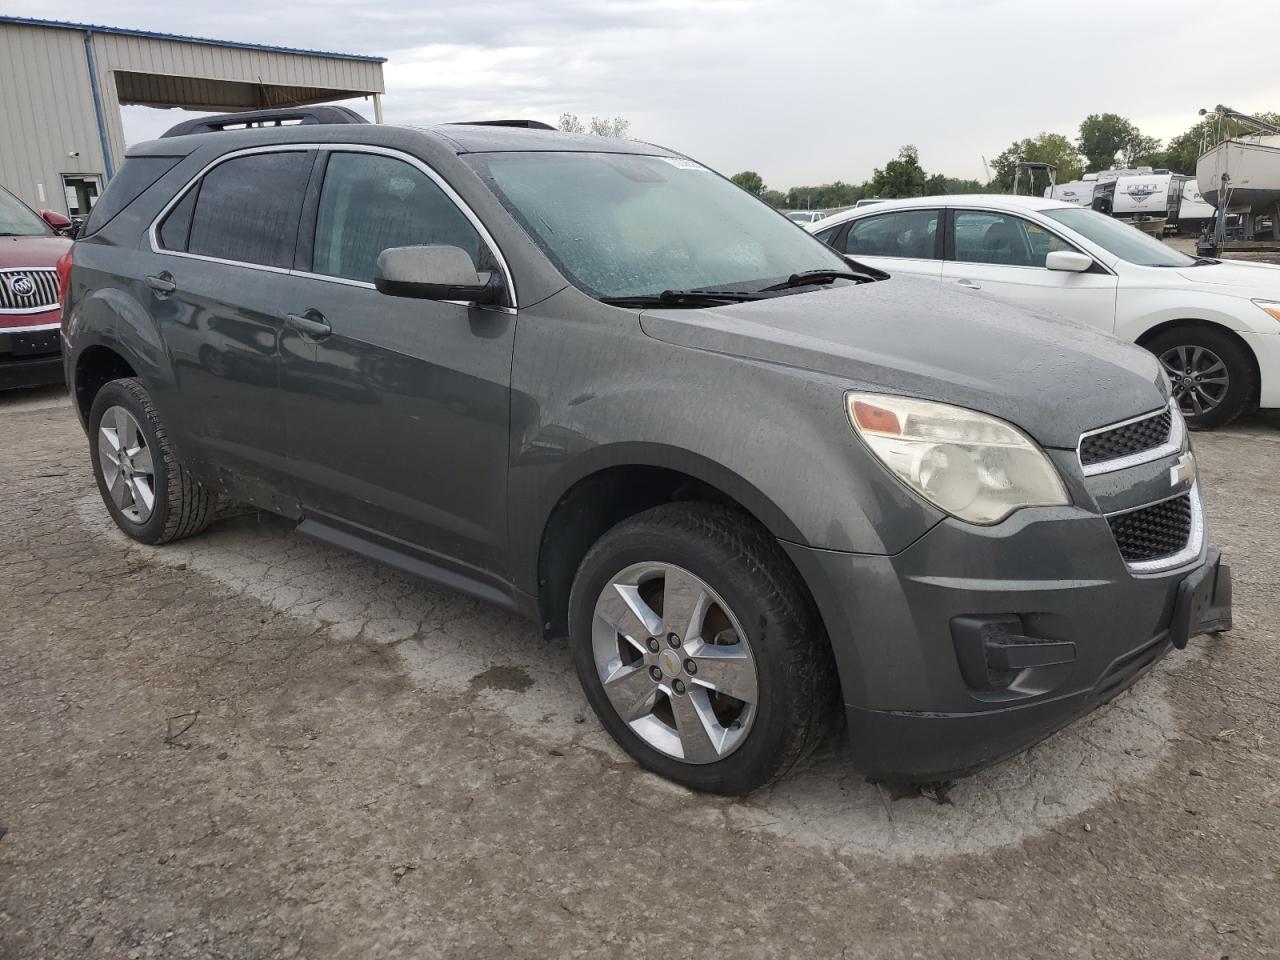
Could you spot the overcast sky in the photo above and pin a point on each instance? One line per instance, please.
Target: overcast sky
(801, 91)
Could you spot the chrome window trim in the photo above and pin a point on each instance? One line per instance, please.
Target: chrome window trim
(34, 327)
(1195, 538)
(153, 235)
(1175, 443)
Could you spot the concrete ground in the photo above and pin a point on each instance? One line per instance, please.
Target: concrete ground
(248, 745)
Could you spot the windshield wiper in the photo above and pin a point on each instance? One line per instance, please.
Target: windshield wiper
(682, 298)
(810, 277)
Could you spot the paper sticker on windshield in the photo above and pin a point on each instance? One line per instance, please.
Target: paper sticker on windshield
(684, 164)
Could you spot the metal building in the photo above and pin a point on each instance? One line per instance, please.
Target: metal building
(62, 86)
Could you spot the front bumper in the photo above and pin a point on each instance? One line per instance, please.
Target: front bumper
(897, 630)
(31, 354)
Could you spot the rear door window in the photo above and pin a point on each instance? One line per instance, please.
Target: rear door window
(903, 233)
(246, 210)
(370, 203)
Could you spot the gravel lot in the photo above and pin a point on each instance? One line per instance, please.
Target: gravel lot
(380, 768)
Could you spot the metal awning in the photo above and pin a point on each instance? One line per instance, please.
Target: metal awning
(220, 96)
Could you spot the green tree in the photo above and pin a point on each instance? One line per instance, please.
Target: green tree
(600, 126)
(940, 185)
(901, 177)
(1103, 137)
(606, 127)
(1143, 151)
(1045, 148)
(825, 196)
(749, 181)
(1108, 138)
(774, 198)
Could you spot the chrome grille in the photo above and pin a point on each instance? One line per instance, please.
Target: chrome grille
(1131, 442)
(1153, 532)
(14, 295)
(1124, 441)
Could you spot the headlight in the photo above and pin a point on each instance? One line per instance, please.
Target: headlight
(1271, 306)
(973, 466)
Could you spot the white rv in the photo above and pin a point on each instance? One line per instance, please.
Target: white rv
(1152, 195)
(1088, 191)
(1194, 211)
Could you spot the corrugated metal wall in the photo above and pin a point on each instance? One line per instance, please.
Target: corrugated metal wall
(46, 113)
(46, 100)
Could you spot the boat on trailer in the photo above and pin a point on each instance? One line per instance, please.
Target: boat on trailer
(1241, 174)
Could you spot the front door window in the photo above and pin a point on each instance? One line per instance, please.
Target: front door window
(1001, 238)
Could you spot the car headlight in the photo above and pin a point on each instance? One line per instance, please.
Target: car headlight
(973, 466)
(1271, 306)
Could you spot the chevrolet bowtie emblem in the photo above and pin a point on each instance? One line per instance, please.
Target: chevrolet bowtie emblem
(1184, 471)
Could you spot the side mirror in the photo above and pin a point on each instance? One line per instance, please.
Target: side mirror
(55, 220)
(1068, 261)
(434, 272)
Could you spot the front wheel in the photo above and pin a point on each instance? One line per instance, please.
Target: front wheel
(1211, 372)
(699, 650)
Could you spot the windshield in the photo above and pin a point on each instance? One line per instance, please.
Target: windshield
(1119, 238)
(17, 220)
(624, 225)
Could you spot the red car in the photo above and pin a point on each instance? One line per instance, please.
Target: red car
(30, 247)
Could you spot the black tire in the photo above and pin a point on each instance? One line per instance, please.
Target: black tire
(745, 566)
(1242, 379)
(182, 506)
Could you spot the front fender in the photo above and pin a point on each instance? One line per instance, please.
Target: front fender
(1141, 311)
(595, 393)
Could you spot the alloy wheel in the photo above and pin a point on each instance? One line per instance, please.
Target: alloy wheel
(674, 662)
(126, 464)
(1200, 378)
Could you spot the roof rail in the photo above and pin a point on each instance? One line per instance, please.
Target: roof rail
(264, 118)
(526, 124)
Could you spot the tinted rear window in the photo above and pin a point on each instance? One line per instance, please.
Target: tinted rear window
(248, 208)
(137, 174)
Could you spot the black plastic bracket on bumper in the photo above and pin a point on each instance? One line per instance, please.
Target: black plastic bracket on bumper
(1204, 602)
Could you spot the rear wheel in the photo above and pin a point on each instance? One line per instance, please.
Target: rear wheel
(699, 649)
(1211, 373)
(147, 491)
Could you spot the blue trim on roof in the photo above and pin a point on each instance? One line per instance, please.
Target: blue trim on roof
(125, 32)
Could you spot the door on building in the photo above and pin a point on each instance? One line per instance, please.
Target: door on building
(81, 191)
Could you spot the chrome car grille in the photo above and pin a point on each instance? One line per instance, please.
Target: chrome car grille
(1126, 444)
(28, 291)
(1160, 535)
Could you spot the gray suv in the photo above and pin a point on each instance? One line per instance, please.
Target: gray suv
(759, 487)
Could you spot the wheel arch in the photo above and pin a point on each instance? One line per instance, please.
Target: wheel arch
(609, 484)
(1165, 326)
(95, 366)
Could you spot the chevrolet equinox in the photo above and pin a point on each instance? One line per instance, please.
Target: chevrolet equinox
(760, 487)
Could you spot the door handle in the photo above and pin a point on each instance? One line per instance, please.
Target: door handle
(969, 284)
(310, 324)
(161, 284)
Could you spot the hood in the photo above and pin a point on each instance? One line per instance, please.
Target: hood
(39, 252)
(1254, 279)
(1053, 378)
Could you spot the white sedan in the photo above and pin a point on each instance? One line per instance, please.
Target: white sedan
(1214, 325)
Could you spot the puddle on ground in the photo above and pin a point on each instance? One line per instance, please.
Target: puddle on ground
(452, 643)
